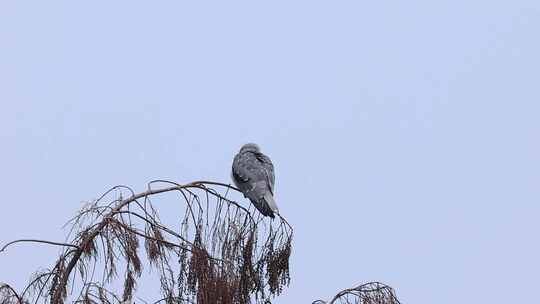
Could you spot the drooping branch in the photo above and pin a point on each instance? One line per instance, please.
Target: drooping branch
(369, 293)
(226, 252)
(58, 292)
(7, 294)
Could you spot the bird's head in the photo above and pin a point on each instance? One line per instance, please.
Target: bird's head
(250, 147)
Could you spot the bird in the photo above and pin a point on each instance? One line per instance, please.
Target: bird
(253, 173)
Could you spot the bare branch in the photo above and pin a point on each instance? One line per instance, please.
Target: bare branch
(372, 292)
(38, 241)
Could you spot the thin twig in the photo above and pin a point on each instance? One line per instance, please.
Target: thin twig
(38, 241)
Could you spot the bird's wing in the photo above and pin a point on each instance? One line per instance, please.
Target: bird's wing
(247, 171)
(268, 169)
(239, 171)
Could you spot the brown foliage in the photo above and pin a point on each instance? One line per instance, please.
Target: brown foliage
(225, 253)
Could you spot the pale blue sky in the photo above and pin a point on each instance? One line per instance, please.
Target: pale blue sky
(404, 133)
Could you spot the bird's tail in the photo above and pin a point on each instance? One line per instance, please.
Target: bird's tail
(269, 199)
(266, 204)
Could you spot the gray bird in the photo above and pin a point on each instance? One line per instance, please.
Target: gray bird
(253, 174)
